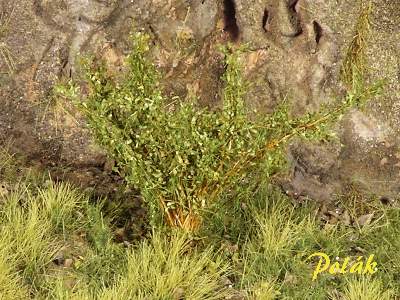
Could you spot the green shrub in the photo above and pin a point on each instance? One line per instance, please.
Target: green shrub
(179, 156)
(178, 159)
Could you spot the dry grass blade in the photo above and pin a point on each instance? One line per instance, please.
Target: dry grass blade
(5, 53)
(354, 64)
(7, 57)
(5, 19)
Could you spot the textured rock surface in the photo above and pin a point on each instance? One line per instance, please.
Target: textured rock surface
(297, 48)
(369, 156)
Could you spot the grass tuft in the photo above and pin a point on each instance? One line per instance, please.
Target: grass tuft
(167, 267)
(26, 233)
(281, 229)
(11, 283)
(354, 67)
(367, 289)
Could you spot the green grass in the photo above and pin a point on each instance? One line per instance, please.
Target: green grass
(368, 289)
(164, 267)
(37, 224)
(276, 254)
(270, 261)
